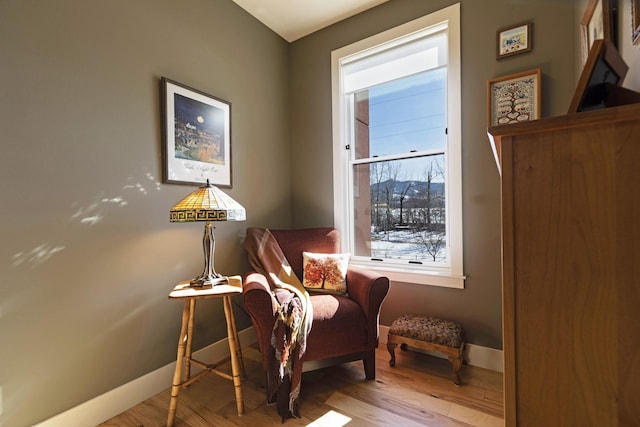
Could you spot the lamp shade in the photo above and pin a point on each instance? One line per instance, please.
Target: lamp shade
(207, 203)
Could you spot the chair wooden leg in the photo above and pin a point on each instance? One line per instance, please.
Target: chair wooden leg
(369, 362)
(270, 399)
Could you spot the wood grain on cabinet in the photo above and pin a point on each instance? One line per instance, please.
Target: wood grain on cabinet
(570, 190)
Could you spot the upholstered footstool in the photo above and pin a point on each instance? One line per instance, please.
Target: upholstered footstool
(431, 334)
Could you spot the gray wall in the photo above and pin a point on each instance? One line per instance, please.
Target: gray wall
(478, 306)
(83, 306)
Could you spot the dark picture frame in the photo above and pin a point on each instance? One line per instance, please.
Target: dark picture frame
(513, 40)
(596, 23)
(196, 136)
(635, 21)
(514, 98)
(603, 71)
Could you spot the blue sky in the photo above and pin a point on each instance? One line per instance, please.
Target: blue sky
(408, 114)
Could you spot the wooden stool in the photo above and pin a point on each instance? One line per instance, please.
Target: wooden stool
(182, 379)
(430, 334)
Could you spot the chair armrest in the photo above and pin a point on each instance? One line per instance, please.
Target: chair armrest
(261, 306)
(369, 289)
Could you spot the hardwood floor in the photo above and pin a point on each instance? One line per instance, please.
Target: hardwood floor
(417, 392)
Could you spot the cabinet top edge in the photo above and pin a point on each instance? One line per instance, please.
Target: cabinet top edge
(611, 114)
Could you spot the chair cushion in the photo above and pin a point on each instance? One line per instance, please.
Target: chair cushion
(325, 273)
(339, 327)
(428, 329)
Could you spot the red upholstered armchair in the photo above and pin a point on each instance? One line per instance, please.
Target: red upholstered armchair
(345, 328)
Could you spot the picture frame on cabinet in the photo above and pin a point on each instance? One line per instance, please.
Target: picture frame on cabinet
(196, 136)
(635, 21)
(513, 40)
(514, 98)
(596, 23)
(602, 74)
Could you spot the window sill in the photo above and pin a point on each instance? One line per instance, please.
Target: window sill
(429, 278)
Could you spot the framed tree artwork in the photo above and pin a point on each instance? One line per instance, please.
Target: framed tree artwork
(196, 136)
(514, 98)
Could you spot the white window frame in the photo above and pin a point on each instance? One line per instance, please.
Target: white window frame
(451, 276)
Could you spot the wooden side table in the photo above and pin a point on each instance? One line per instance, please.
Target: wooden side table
(184, 292)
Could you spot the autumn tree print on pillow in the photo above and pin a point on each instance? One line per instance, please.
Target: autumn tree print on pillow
(325, 272)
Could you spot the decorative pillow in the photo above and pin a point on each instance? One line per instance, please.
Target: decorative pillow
(325, 272)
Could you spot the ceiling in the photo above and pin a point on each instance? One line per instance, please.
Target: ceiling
(293, 19)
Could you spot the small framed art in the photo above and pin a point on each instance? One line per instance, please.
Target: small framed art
(513, 40)
(514, 98)
(196, 136)
(596, 24)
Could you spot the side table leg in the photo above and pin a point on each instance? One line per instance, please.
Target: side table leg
(235, 335)
(233, 349)
(177, 374)
(192, 310)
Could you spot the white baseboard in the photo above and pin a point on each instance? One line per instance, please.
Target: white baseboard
(118, 400)
(474, 355)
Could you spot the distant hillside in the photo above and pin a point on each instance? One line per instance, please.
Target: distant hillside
(417, 187)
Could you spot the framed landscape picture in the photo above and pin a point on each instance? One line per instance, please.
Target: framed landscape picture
(514, 98)
(196, 142)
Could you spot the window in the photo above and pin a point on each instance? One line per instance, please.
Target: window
(397, 150)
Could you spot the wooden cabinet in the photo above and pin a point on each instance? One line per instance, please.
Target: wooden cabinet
(570, 189)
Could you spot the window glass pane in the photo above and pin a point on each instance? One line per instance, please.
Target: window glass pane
(399, 210)
(397, 150)
(401, 116)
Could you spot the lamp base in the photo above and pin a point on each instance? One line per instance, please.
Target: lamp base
(208, 281)
(209, 277)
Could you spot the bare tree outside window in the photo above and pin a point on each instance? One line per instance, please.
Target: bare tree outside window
(407, 209)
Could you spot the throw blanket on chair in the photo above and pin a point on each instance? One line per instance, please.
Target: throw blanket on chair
(293, 321)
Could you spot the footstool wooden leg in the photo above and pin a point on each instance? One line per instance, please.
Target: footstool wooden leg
(457, 364)
(391, 347)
